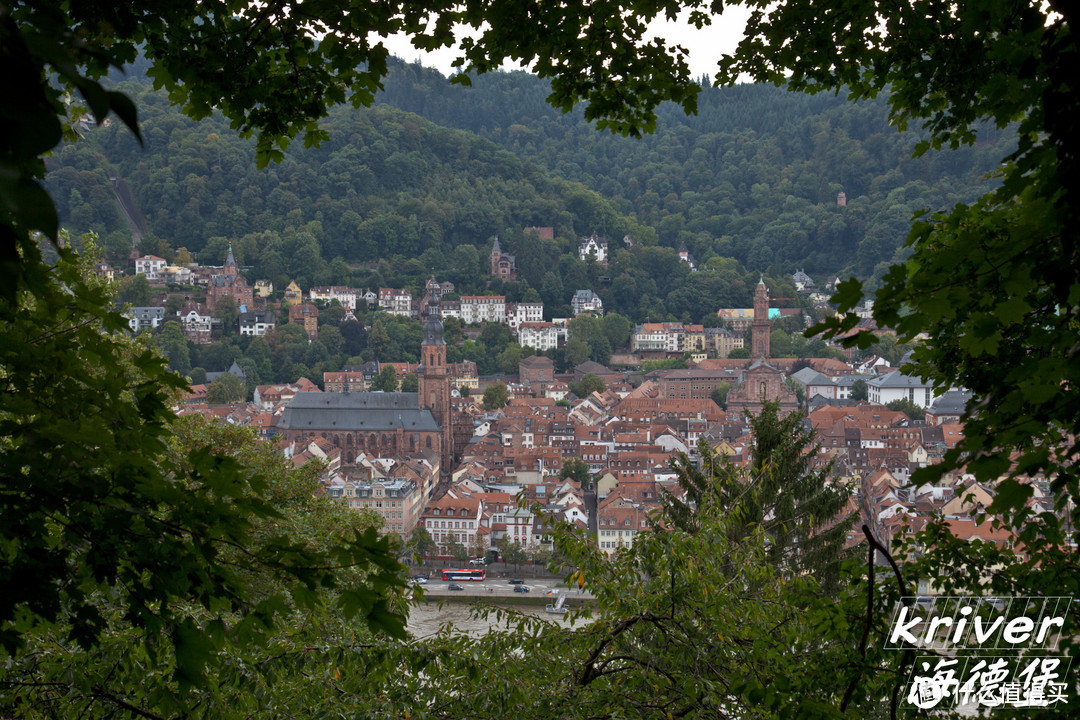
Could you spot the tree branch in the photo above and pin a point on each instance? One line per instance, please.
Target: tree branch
(589, 672)
(102, 692)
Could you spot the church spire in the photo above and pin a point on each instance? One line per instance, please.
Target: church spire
(230, 262)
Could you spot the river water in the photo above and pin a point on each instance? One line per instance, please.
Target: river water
(426, 619)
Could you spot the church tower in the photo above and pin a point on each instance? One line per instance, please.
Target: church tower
(230, 264)
(760, 329)
(434, 385)
(496, 254)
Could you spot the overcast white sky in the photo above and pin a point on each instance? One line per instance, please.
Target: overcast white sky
(706, 46)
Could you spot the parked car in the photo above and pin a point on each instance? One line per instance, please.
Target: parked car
(517, 581)
(420, 580)
(478, 561)
(521, 588)
(454, 586)
(420, 576)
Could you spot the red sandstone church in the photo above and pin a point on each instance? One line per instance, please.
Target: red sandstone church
(230, 283)
(761, 381)
(381, 423)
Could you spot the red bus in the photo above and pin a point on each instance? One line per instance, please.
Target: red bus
(477, 575)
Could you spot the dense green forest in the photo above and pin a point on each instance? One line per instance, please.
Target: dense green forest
(749, 184)
(754, 175)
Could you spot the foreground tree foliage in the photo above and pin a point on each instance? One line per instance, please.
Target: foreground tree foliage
(995, 284)
(115, 529)
(135, 672)
(801, 509)
(102, 531)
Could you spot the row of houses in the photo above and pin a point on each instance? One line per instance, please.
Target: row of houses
(626, 437)
(679, 338)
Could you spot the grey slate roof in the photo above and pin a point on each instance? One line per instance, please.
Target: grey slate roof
(149, 313)
(954, 402)
(896, 379)
(363, 411)
(762, 362)
(850, 380)
(810, 376)
(234, 369)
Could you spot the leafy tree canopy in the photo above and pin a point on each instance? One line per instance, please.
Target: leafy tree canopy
(495, 396)
(907, 407)
(386, 380)
(860, 390)
(111, 523)
(589, 384)
(226, 389)
(797, 505)
(575, 469)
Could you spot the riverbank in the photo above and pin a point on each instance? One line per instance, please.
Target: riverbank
(502, 598)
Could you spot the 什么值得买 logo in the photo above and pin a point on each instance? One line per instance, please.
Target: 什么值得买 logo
(983, 652)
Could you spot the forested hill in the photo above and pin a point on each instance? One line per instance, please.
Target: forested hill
(754, 175)
(386, 183)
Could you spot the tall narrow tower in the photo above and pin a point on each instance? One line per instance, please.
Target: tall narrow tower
(496, 253)
(434, 385)
(230, 264)
(760, 329)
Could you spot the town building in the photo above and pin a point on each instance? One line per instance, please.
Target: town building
(293, 294)
(307, 316)
(196, 322)
(257, 322)
(536, 372)
(398, 501)
(175, 274)
(105, 271)
(893, 386)
(686, 257)
(721, 341)
(586, 302)
(761, 383)
(541, 335)
(518, 313)
(328, 293)
(693, 382)
(668, 338)
(949, 408)
(145, 318)
(483, 308)
(395, 301)
(229, 283)
(150, 266)
(594, 247)
(503, 265)
(382, 423)
(803, 282)
(464, 374)
(344, 382)
(454, 520)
